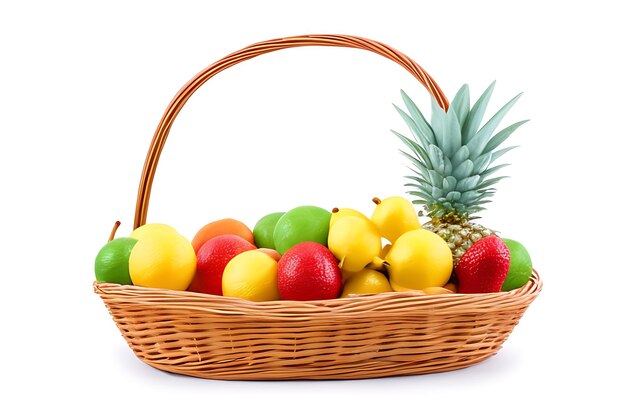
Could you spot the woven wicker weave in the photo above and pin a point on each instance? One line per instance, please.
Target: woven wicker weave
(360, 337)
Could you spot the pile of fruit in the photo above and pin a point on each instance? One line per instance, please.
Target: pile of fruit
(309, 253)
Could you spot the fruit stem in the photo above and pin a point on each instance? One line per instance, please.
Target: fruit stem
(376, 200)
(335, 210)
(114, 230)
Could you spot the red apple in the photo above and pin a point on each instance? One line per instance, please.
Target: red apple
(212, 259)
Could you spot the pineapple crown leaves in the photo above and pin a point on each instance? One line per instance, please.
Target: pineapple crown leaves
(452, 156)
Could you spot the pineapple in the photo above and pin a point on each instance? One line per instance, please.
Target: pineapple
(452, 163)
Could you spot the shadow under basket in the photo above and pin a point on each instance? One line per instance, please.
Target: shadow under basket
(388, 334)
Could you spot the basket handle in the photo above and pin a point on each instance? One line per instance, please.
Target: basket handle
(175, 106)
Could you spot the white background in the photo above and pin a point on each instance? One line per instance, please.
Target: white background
(83, 85)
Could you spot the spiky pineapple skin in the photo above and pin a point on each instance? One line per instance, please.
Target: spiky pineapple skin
(459, 237)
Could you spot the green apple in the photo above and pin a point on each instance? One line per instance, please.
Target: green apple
(521, 266)
(112, 261)
(264, 230)
(304, 223)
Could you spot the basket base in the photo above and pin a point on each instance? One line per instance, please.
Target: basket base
(406, 369)
(402, 349)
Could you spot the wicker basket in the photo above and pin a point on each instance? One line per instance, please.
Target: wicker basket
(367, 336)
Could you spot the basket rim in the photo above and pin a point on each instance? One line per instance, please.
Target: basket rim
(355, 304)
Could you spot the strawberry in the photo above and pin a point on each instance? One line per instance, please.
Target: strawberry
(484, 266)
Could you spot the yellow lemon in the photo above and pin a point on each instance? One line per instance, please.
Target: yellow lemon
(366, 281)
(343, 212)
(419, 259)
(162, 260)
(394, 216)
(251, 275)
(355, 242)
(149, 230)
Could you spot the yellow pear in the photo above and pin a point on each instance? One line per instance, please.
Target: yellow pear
(394, 216)
(379, 263)
(355, 242)
(338, 213)
(385, 251)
